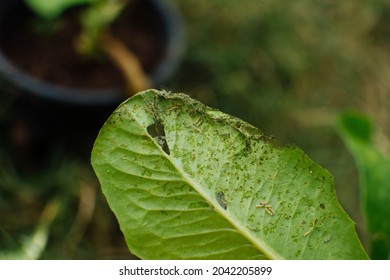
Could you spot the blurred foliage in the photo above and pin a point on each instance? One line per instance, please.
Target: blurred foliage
(80, 226)
(374, 172)
(50, 10)
(287, 67)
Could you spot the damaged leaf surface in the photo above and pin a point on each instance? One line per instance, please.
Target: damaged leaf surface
(189, 182)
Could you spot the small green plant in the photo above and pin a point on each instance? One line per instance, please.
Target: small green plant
(189, 182)
(51, 10)
(95, 36)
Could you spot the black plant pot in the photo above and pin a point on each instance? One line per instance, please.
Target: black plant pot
(42, 116)
(170, 31)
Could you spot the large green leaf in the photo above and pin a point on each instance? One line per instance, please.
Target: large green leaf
(374, 170)
(189, 182)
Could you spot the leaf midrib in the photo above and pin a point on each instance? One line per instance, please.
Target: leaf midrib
(258, 244)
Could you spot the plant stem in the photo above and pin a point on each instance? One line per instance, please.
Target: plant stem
(128, 63)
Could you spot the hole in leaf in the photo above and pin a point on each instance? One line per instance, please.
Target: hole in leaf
(220, 196)
(156, 130)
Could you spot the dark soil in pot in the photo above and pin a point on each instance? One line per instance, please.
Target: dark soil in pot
(51, 56)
